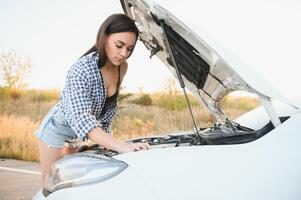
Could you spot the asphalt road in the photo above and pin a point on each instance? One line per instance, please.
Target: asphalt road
(19, 180)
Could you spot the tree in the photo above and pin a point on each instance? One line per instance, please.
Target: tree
(13, 69)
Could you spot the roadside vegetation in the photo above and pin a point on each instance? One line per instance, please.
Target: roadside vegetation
(21, 112)
(142, 114)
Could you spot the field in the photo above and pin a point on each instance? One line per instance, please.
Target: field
(139, 115)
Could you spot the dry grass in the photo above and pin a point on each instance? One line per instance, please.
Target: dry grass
(16, 138)
(236, 106)
(20, 118)
(35, 111)
(136, 121)
(32, 95)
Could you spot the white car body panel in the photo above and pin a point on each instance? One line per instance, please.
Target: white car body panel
(263, 169)
(257, 117)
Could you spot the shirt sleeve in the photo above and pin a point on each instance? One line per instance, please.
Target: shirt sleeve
(77, 104)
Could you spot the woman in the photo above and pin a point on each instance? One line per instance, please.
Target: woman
(88, 102)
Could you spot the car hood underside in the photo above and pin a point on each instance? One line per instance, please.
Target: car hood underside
(208, 70)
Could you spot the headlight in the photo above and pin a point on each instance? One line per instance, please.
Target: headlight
(79, 169)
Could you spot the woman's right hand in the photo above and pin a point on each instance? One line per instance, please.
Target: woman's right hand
(136, 147)
(100, 137)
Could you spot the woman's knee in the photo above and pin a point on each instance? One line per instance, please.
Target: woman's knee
(48, 155)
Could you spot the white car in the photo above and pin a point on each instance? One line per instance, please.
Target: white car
(256, 156)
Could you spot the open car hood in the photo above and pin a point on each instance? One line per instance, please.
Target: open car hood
(208, 70)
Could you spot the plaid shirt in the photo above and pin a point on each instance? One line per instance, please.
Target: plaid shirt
(83, 98)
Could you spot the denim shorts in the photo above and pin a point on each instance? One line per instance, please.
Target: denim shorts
(54, 129)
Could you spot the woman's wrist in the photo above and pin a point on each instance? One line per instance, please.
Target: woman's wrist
(100, 137)
(125, 148)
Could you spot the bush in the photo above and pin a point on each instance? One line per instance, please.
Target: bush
(10, 93)
(123, 96)
(144, 100)
(30, 95)
(174, 102)
(42, 95)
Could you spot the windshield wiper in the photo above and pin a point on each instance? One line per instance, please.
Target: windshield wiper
(180, 79)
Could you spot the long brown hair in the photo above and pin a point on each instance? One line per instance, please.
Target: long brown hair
(115, 23)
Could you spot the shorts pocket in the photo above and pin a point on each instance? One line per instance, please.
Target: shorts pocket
(59, 119)
(60, 124)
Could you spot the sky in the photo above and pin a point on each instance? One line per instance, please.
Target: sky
(56, 33)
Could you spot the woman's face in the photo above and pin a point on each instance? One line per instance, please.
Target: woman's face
(118, 46)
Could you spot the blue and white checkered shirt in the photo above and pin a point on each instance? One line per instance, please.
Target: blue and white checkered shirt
(83, 98)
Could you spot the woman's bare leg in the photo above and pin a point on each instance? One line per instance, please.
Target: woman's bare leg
(49, 155)
(69, 150)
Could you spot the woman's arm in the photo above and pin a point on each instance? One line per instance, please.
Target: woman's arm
(104, 139)
(100, 137)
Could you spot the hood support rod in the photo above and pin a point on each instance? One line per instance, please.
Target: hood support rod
(180, 79)
(268, 106)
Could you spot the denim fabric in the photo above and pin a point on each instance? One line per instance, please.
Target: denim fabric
(54, 129)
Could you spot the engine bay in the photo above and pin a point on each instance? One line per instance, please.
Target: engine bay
(218, 134)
